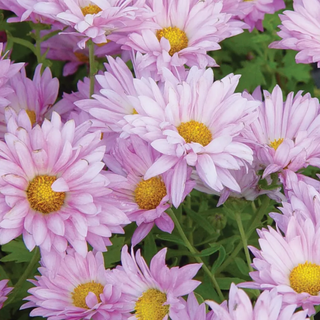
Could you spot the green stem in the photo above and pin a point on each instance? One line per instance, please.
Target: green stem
(24, 43)
(244, 239)
(29, 271)
(257, 219)
(92, 64)
(195, 252)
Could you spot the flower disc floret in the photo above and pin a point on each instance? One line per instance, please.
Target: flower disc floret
(276, 143)
(41, 196)
(177, 38)
(150, 305)
(194, 131)
(81, 291)
(90, 9)
(149, 193)
(306, 278)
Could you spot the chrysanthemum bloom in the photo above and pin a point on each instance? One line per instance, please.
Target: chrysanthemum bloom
(286, 134)
(248, 181)
(300, 30)
(35, 96)
(269, 306)
(289, 263)
(24, 11)
(194, 123)
(144, 201)
(96, 19)
(154, 293)
(63, 47)
(4, 291)
(52, 188)
(186, 30)
(252, 12)
(192, 310)
(117, 97)
(78, 289)
(7, 71)
(303, 202)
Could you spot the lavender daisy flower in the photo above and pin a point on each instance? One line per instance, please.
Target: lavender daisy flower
(78, 288)
(185, 31)
(96, 19)
(269, 306)
(4, 291)
(194, 123)
(144, 201)
(35, 96)
(289, 263)
(286, 133)
(154, 292)
(300, 30)
(52, 189)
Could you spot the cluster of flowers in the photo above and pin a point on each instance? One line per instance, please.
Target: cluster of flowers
(161, 133)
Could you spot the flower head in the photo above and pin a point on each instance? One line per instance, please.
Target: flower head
(144, 200)
(269, 306)
(185, 31)
(286, 133)
(289, 263)
(154, 292)
(78, 288)
(4, 291)
(300, 31)
(52, 187)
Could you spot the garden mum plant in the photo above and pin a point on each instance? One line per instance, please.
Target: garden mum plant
(159, 160)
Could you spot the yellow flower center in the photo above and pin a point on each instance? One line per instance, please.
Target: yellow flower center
(81, 291)
(149, 193)
(150, 305)
(41, 197)
(177, 38)
(194, 131)
(32, 116)
(276, 143)
(81, 57)
(90, 9)
(306, 278)
(134, 111)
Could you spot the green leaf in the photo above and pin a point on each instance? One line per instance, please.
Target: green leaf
(224, 283)
(242, 266)
(112, 256)
(219, 261)
(170, 237)
(200, 220)
(17, 252)
(209, 251)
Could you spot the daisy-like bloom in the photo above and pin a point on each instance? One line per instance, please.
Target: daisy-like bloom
(269, 306)
(300, 30)
(186, 30)
(24, 11)
(248, 180)
(286, 134)
(4, 291)
(35, 96)
(194, 123)
(289, 263)
(63, 47)
(303, 202)
(192, 310)
(252, 12)
(96, 19)
(7, 71)
(144, 201)
(154, 292)
(78, 288)
(117, 97)
(52, 189)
